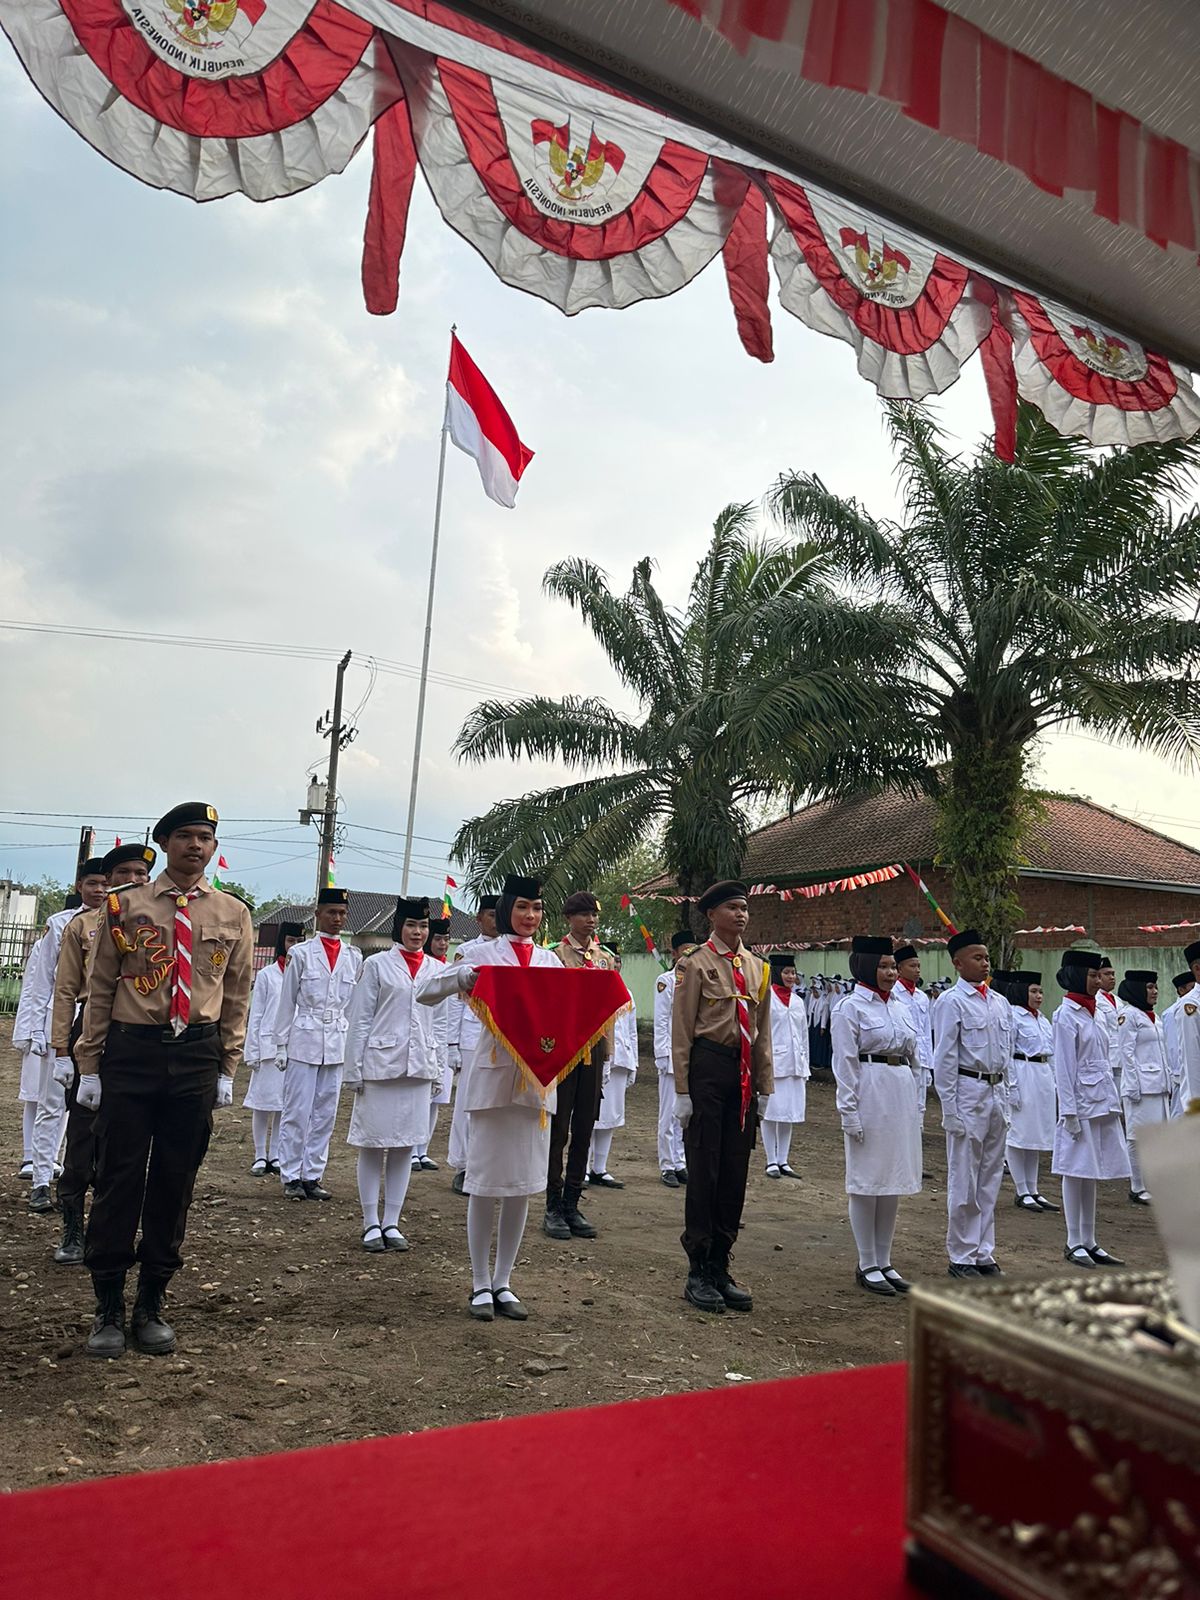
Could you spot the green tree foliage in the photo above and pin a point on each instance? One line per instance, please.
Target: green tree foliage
(1057, 592)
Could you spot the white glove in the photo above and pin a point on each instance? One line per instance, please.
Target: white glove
(354, 1085)
(224, 1090)
(852, 1126)
(38, 1044)
(1132, 1091)
(88, 1093)
(281, 1057)
(1073, 1126)
(763, 1101)
(1014, 1097)
(454, 1058)
(682, 1110)
(466, 979)
(64, 1071)
(953, 1123)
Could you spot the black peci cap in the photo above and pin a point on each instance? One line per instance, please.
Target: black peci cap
(121, 853)
(333, 896)
(961, 941)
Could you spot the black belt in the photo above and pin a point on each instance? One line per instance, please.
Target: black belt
(167, 1035)
(1017, 1056)
(885, 1061)
(992, 1078)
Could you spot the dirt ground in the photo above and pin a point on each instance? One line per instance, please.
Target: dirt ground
(290, 1335)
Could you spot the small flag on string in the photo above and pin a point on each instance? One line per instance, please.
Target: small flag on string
(330, 880)
(447, 903)
(628, 905)
(222, 866)
(116, 841)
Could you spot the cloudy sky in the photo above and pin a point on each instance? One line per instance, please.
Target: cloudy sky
(205, 434)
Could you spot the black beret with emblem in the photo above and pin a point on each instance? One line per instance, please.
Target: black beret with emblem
(287, 930)
(519, 888)
(191, 814)
(121, 853)
(332, 896)
(581, 904)
(718, 893)
(93, 867)
(961, 941)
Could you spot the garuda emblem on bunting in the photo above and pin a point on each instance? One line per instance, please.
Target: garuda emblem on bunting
(547, 1018)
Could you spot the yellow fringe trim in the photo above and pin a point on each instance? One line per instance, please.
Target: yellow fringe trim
(481, 1010)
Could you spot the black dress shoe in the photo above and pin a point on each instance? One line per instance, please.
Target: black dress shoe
(1102, 1258)
(670, 1179)
(578, 1225)
(963, 1269)
(554, 1224)
(786, 1172)
(899, 1284)
(39, 1198)
(1079, 1257)
(294, 1190)
(483, 1310)
(510, 1308)
(1139, 1197)
(314, 1191)
(1027, 1202)
(734, 1296)
(681, 1174)
(882, 1288)
(988, 1269)
(459, 1183)
(604, 1180)
(700, 1291)
(1046, 1205)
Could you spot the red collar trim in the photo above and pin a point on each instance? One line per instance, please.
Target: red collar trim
(1087, 1001)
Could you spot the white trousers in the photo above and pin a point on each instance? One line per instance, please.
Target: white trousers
(49, 1124)
(975, 1166)
(310, 1102)
(670, 1135)
(460, 1124)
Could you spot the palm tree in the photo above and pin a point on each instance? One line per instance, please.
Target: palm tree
(1057, 592)
(677, 773)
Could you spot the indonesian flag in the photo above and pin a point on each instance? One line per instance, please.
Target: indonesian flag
(547, 1018)
(447, 903)
(480, 426)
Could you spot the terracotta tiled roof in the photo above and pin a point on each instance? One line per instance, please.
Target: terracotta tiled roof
(1078, 839)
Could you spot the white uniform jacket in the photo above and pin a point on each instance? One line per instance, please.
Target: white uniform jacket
(1086, 1086)
(865, 1024)
(917, 1004)
(1188, 1025)
(1107, 1007)
(789, 1037)
(264, 1007)
(1033, 1035)
(391, 1035)
(974, 1035)
(462, 1025)
(664, 1002)
(493, 1078)
(311, 1020)
(1142, 1050)
(35, 1008)
(625, 1043)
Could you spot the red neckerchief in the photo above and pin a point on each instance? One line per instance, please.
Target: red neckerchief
(743, 1016)
(980, 989)
(281, 962)
(877, 992)
(911, 987)
(1087, 1001)
(524, 953)
(332, 947)
(413, 958)
(1107, 996)
(785, 994)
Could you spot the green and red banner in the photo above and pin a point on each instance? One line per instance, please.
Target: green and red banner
(547, 1018)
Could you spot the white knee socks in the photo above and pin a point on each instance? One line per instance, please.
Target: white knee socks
(395, 1184)
(887, 1209)
(370, 1176)
(862, 1226)
(783, 1142)
(1079, 1205)
(481, 1219)
(602, 1139)
(1136, 1182)
(28, 1118)
(770, 1138)
(423, 1149)
(262, 1124)
(514, 1210)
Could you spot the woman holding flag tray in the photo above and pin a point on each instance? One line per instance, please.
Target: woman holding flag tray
(509, 1144)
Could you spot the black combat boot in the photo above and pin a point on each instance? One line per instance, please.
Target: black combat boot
(735, 1297)
(151, 1335)
(554, 1224)
(107, 1337)
(577, 1224)
(700, 1290)
(70, 1251)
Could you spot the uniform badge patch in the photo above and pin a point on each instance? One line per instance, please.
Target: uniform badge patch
(1189, 1010)
(661, 985)
(1121, 1020)
(219, 959)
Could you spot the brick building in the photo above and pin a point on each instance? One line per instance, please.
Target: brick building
(1087, 866)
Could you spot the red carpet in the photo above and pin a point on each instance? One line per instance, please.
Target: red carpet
(792, 1488)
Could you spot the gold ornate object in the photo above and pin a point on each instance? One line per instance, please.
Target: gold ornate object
(1054, 1441)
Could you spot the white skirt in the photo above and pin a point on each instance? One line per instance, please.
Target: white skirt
(1099, 1152)
(508, 1152)
(390, 1115)
(888, 1160)
(264, 1092)
(1150, 1108)
(441, 1090)
(788, 1102)
(1032, 1126)
(31, 1071)
(612, 1104)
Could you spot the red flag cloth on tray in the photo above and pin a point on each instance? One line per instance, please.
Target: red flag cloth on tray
(547, 1018)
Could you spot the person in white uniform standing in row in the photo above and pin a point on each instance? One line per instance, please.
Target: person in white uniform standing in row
(462, 1033)
(391, 1068)
(1089, 1145)
(436, 947)
(874, 1054)
(972, 1064)
(909, 994)
(1106, 1015)
(1183, 983)
(621, 1076)
(672, 1161)
(1146, 1082)
(789, 1050)
(310, 1034)
(1034, 1106)
(508, 1148)
(264, 1094)
(1188, 1025)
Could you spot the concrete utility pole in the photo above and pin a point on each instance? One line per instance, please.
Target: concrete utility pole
(332, 730)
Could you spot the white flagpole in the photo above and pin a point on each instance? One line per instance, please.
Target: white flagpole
(416, 764)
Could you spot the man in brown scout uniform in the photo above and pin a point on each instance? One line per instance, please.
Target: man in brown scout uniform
(124, 865)
(163, 1027)
(721, 1052)
(579, 1092)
